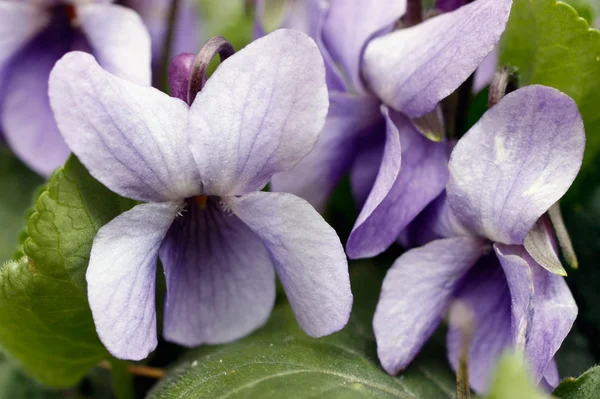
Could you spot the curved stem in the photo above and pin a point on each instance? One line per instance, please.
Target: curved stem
(216, 45)
(504, 81)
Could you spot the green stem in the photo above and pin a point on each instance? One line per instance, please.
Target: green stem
(122, 379)
(168, 45)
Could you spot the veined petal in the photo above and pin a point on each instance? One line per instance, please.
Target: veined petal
(220, 279)
(400, 191)
(308, 257)
(485, 294)
(416, 293)
(260, 113)
(348, 27)
(121, 278)
(119, 40)
(132, 138)
(518, 160)
(413, 69)
(351, 120)
(27, 120)
(20, 23)
(543, 308)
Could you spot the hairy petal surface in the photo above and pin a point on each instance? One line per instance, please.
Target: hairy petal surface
(260, 113)
(220, 279)
(348, 27)
(121, 278)
(516, 162)
(351, 120)
(307, 254)
(416, 293)
(401, 191)
(125, 55)
(485, 295)
(27, 120)
(413, 69)
(132, 138)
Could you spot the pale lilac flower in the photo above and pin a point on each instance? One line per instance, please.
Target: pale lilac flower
(505, 173)
(199, 169)
(395, 171)
(34, 34)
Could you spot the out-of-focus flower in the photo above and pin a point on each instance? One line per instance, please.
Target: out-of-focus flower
(395, 171)
(505, 173)
(199, 169)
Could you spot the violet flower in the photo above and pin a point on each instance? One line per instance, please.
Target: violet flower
(199, 169)
(394, 170)
(505, 173)
(36, 33)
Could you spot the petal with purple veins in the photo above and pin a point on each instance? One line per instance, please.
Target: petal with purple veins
(121, 278)
(351, 121)
(260, 113)
(308, 256)
(401, 191)
(413, 69)
(125, 55)
(131, 138)
(220, 279)
(516, 162)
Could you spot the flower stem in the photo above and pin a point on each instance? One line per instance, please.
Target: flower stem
(122, 379)
(504, 81)
(215, 45)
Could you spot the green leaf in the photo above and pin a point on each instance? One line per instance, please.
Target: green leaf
(13, 384)
(18, 186)
(551, 45)
(45, 321)
(587, 386)
(280, 361)
(584, 8)
(512, 381)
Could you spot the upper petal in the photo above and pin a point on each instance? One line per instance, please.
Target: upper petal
(220, 279)
(20, 23)
(260, 113)
(400, 191)
(119, 40)
(351, 120)
(348, 27)
(485, 295)
(415, 295)
(121, 278)
(518, 160)
(308, 257)
(132, 138)
(413, 69)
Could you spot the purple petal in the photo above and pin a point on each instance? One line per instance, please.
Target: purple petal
(415, 295)
(348, 28)
(220, 279)
(449, 5)
(132, 138)
(486, 296)
(542, 306)
(413, 69)
(308, 257)
(27, 120)
(485, 73)
(518, 160)
(399, 194)
(180, 74)
(351, 120)
(551, 377)
(121, 278)
(20, 23)
(119, 40)
(366, 167)
(260, 113)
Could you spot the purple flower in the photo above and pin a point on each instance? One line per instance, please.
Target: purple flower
(505, 173)
(199, 169)
(36, 33)
(395, 171)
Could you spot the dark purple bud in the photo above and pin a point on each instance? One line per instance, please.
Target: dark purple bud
(180, 71)
(449, 5)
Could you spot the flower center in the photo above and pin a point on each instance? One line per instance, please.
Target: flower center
(201, 201)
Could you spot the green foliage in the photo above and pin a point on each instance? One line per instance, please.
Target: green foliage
(18, 185)
(512, 381)
(584, 8)
(587, 386)
(281, 361)
(45, 321)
